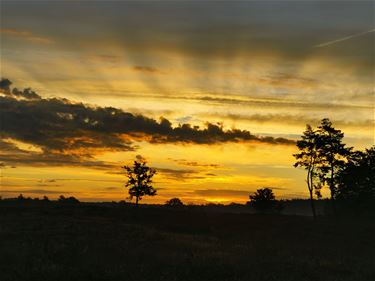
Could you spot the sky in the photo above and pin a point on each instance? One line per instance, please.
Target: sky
(213, 94)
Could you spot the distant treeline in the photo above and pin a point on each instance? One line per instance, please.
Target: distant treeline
(283, 207)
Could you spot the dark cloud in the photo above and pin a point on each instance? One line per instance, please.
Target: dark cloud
(287, 79)
(36, 191)
(105, 58)
(5, 85)
(277, 103)
(26, 35)
(184, 162)
(45, 159)
(87, 179)
(297, 119)
(25, 93)
(111, 188)
(62, 126)
(12, 156)
(146, 69)
(269, 102)
(180, 175)
(68, 133)
(45, 184)
(223, 29)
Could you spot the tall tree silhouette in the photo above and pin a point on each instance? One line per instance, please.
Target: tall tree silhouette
(139, 180)
(308, 158)
(332, 154)
(356, 182)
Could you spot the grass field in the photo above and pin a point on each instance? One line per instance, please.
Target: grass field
(85, 242)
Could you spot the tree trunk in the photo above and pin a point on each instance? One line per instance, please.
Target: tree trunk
(136, 201)
(312, 204)
(332, 188)
(310, 186)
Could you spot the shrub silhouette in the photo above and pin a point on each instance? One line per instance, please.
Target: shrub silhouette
(263, 200)
(174, 202)
(70, 200)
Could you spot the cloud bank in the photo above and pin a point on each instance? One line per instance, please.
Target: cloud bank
(60, 124)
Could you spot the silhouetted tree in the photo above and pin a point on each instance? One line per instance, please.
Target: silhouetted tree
(68, 200)
(356, 182)
(308, 158)
(332, 154)
(174, 202)
(263, 199)
(139, 180)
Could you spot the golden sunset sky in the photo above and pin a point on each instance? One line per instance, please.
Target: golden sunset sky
(117, 79)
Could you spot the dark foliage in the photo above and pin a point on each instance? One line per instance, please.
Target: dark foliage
(333, 155)
(323, 155)
(356, 187)
(68, 200)
(174, 202)
(139, 180)
(263, 200)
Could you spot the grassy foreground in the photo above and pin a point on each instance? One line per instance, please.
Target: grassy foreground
(154, 243)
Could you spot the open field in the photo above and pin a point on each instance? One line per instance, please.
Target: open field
(88, 242)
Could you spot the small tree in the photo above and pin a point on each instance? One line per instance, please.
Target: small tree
(263, 199)
(174, 202)
(308, 158)
(139, 180)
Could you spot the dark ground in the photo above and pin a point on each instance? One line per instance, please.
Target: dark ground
(87, 242)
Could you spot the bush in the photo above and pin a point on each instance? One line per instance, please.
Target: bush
(174, 202)
(263, 200)
(70, 200)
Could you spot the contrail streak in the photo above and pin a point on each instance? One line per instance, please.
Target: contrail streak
(344, 39)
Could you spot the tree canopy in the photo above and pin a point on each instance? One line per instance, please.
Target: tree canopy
(139, 180)
(263, 199)
(348, 174)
